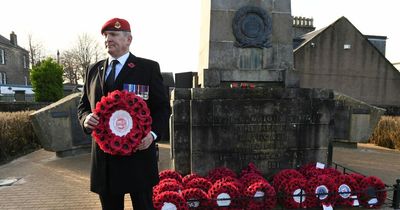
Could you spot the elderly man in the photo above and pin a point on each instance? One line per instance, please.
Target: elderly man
(112, 176)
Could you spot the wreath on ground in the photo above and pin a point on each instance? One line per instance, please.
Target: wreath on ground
(124, 120)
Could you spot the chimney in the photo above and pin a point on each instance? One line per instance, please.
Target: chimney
(13, 39)
(302, 25)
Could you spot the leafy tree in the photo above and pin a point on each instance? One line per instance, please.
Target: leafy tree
(47, 82)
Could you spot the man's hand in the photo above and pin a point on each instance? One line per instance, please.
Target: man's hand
(146, 142)
(91, 121)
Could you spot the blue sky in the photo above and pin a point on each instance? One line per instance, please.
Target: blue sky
(168, 31)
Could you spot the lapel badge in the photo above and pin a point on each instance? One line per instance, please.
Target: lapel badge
(131, 65)
(117, 25)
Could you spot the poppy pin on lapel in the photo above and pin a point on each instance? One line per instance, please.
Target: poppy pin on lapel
(131, 65)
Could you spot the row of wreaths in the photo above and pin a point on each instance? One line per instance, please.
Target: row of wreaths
(307, 187)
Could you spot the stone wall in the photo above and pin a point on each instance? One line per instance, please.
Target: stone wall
(355, 120)
(21, 106)
(58, 128)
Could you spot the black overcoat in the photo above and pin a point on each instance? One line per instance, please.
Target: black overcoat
(125, 174)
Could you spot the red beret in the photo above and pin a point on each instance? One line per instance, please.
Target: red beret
(116, 24)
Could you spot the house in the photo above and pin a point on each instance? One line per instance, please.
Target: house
(14, 62)
(341, 58)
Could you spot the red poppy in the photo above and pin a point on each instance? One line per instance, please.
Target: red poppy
(168, 180)
(131, 65)
(200, 183)
(219, 173)
(283, 177)
(166, 186)
(168, 173)
(186, 179)
(250, 178)
(251, 168)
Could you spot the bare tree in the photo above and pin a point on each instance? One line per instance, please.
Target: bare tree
(87, 51)
(77, 59)
(36, 51)
(71, 67)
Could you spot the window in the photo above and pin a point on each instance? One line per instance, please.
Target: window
(2, 57)
(3, 78)
(24, 61)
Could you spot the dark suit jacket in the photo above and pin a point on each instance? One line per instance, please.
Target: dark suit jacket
(124, 174)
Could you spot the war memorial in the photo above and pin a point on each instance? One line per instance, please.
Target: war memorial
(248, 106)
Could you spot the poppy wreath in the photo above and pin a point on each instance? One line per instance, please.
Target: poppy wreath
(124, 119)
(168, 180)
(232, 180)
(236, 182)
(166, 186)
(200, 183)
(283, 176)
(186, 179)
(261, 196)
(219, 173)
(320, 191)
(372, 188)
(168, 173)
(251, 168)
(224, 195)
(196, 198)
(250, 178)
(310, 170)
(345, 187)
(294, 195)
(357, 177)
(170, 200)
(332, 172)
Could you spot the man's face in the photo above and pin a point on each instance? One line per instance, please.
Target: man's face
(117, 42)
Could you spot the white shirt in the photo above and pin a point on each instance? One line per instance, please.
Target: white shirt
(118, 67)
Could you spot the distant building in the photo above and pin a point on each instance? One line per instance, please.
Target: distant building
(341, 58)
(14, 62)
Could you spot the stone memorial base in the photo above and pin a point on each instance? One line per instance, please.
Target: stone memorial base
(58, 129)
(275, 128)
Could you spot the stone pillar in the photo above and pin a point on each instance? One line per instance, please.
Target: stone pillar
(180, 130)
(245, 41)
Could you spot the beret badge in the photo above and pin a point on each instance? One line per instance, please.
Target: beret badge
(117, 25)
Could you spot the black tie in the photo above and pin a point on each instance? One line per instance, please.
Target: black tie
(111, 76)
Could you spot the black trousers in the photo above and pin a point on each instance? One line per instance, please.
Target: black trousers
(140, 201)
